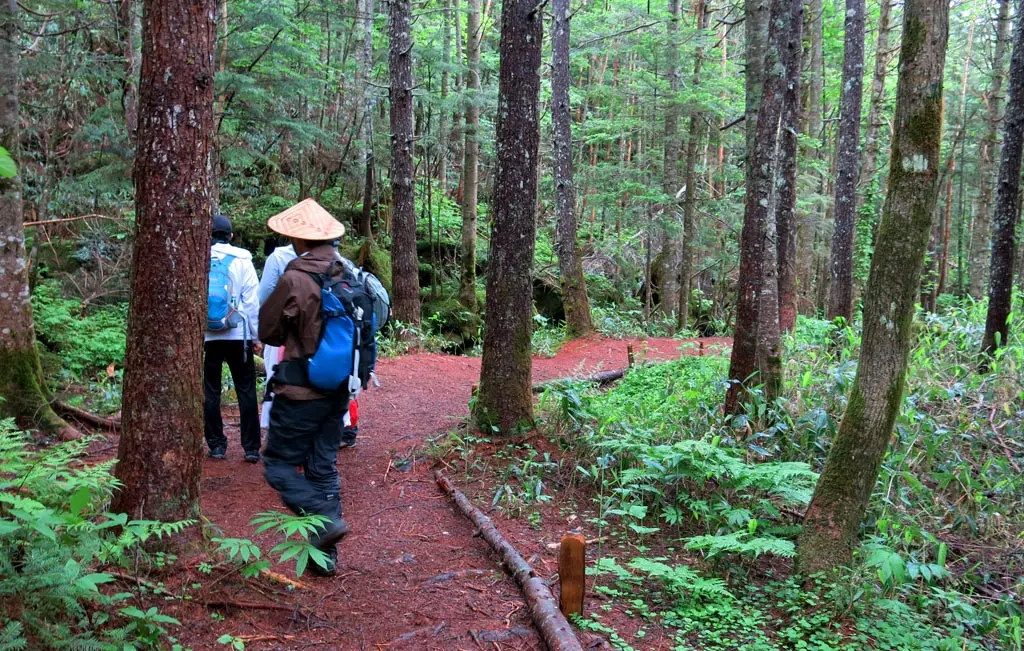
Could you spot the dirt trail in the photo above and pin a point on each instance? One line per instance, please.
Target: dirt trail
(411, 575)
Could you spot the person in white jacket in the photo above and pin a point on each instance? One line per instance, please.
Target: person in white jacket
(232, 340)
(273, 269)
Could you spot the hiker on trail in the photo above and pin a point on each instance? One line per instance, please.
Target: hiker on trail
(231, 329)
(274, 267)
(316, 313)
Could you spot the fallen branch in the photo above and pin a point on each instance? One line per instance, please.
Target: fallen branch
(242, 605)
(553, 627)
(87, 417)
(601, 379)
(46, 222)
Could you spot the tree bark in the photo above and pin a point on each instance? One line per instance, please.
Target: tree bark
(365, 9)
(785, 206)
(847, 166)
(21, 378)
(443, 133)
(127, 23)
(693, 138)
(981, 231)
(869, 162)
(570, 262)
(848, 479)
(809, 219)
(471, 155)
(162, 414)
(505, 400)
(1007, 209)
(670, 252)
(783, 56)
(757, 305)
(405, 267)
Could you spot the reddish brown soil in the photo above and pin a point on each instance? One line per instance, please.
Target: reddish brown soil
(394, 587)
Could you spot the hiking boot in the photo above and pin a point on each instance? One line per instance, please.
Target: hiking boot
(332, 564)
(329, 537)
(218, 453)
(252, 457)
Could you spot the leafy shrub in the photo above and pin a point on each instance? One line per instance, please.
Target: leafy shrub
(86, 342)
(53, 534)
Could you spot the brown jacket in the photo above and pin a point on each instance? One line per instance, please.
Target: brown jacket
(290, 316)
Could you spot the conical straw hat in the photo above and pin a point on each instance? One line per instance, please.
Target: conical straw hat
(307, 220)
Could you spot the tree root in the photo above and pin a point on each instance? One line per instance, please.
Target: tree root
(553, 627)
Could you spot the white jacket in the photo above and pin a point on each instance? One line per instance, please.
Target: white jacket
(244, 285)
(274, 268)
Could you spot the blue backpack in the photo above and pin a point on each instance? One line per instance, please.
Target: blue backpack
(345, 356)
(221, 314)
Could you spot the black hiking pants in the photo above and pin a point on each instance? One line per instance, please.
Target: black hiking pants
(239, 358)
(305, 434)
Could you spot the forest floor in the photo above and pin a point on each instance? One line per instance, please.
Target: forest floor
(410, 575)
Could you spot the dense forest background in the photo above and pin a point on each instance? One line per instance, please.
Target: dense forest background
(712, 169)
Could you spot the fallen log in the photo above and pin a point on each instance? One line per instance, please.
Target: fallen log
(86, 417)
(554, 628)
(600, 379)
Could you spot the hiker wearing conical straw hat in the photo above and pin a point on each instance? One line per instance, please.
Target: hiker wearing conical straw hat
(303, 429)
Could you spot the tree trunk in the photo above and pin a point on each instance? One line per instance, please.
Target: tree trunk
(22, 389)
(809, 219)
(690, 179)
(162, 414)
(783, 55)
(127, 24)
(443, 132)
(785, 205)
(869, 163)
(756, 15)
(982, 228)
(405, 267)
(505, 399)
(1007, 209)
(471, 155)
(670, 258)
(848, 479)
(758, 282)
(365, 9)
(848, 162)
(570, 262)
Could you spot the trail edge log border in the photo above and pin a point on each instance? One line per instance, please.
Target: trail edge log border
(554, 628)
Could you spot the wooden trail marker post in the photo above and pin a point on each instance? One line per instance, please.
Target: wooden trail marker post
(572, 573)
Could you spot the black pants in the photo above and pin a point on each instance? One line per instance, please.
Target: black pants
(239, 357)
(306, 434)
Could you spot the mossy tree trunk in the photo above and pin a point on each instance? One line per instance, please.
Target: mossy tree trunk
(1007, 210)
(471, 159)
(851, 471)
(162, 414)
(404, 263)
(570, 262)
(22, 392)
(981, 230)
(505, 397)
(840, 302)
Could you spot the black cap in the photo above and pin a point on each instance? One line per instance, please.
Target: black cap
(222, 224)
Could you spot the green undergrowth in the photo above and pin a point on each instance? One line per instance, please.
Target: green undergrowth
(75, 576)
(702, 511)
